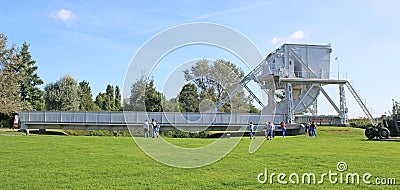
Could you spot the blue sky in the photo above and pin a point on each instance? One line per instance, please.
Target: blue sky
(96, 40)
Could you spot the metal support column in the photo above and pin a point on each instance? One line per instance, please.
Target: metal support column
(315, 107)
(289, 95)
(343, 107)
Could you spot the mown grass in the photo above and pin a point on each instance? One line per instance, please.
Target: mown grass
(87, 162)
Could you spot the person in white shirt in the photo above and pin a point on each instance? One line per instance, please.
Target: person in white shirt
(251, 128)
(146, 128)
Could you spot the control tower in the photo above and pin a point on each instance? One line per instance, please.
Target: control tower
(297, 72)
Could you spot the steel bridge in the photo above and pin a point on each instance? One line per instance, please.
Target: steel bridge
(130, 120)
(300, 70)
(192, 122)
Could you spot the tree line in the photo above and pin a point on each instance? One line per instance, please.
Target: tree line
(67, 95)
(207, 82)
(20, 82)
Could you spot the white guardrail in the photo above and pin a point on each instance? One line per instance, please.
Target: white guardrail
(135, 118)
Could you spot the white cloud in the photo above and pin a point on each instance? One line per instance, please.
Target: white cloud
(276, 40)
(65, 16)
(297, 35)
(292, 38)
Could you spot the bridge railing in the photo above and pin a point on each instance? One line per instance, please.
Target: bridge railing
(71, 117)
(131, 117)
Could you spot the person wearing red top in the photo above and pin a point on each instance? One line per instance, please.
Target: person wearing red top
(283, 126)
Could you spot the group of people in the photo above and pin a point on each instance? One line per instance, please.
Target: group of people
(153, 128)
(311, 129)
(269, 130)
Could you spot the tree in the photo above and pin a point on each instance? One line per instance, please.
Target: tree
(107, 101)
(171, 105)
(216, 80)
(136, 100)
(118, 99)
(85, 97)
(101, 99)
(153, 98)
(109, 98)
(30, 80)
(126, 105)
(52, 96)
(9, 96)
(62, 95)
(200, 74)
(144, 97)
(189, 98)
(253, 109)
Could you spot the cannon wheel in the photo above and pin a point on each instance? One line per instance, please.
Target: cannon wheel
(384, 133)
(370, 133)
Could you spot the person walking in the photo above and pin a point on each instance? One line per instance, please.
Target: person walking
(153, 126)
(272, 130)
(15, 125)
(283, 126)
(266, 130)
(307, 129)
(146, 128)
(313, 128)
(157, 129)
(251, 128)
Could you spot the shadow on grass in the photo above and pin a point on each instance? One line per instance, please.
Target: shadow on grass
(391, 139)
(47, 132)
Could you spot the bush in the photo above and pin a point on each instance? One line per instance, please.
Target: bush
(360, 123)
(183, 134)
(97, 133)
(6, 121)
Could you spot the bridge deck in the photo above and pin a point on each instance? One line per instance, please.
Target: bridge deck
(135, 120)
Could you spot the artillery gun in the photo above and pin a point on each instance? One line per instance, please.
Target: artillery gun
(390, 126)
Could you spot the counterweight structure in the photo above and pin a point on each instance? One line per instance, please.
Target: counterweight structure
(296, 69)
(298, 72)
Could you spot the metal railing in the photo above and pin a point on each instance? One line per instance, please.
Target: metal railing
(361, 104)
(131, 118)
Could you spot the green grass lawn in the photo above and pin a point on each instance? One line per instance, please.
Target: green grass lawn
(80, 162)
